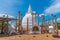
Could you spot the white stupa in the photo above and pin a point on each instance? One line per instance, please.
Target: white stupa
(29, 16)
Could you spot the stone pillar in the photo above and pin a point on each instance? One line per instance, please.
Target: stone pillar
(43, 26)
(53, 24)
(56, 25)
(32, 20)
(7, 26)
(38, 20)
(16, 25)
(27, 26)
(19, 22)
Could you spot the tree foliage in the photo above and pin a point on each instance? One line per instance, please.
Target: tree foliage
(4, 24)
(58, 24)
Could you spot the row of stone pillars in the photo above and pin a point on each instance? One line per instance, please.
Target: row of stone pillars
(43, 23)
(20, 29)
(55, 24)
(55, 27)
(33, 15)
(18, 26)
(3, 20)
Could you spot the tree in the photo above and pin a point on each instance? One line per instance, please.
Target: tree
(58, 24)
(2, 26)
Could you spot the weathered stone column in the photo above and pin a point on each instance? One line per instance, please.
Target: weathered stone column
(56, 25)
(32, 20)
(38, 20)
(43, 26)
(7, 26)
(27, 26)
(35, 19)
(19, 21)
(16, 25)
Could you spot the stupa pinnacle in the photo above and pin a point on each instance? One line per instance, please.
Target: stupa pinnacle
(29, 9)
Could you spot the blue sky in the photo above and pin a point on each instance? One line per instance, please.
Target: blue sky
(11, 7)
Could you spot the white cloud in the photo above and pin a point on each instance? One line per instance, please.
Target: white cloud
(10, 2)
(54, 8)
(10, 6)
(9, 16)
(58, 19)
(41, 15)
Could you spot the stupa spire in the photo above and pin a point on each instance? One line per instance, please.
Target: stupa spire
(29, 9)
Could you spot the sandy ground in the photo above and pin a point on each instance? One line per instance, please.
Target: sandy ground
(30, 37)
